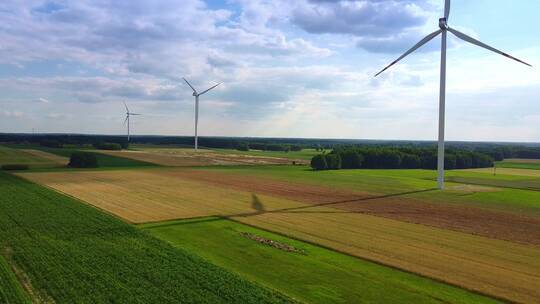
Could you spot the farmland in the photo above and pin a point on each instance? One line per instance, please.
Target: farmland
(389, 227)
(10, 288)
(30, 157)
(186, 157)
(533, 164)
(389, 216)
(315, 275)
(67, 252)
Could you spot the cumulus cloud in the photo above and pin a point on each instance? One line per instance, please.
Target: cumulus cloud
(378, 25)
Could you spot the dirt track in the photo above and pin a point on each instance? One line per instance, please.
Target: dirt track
(493, 224)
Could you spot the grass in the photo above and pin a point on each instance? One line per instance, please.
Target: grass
(11, 291)
(73, 253)
(319, 276)
(500, 268)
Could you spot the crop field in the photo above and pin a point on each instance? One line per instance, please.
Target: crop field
(305, 154)
(68, 252)
(104, 160)
(533, 164)
(32, 158)
(10, 288)
(462, 236)
(312, 274)
(186, 157)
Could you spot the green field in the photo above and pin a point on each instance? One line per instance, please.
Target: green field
(72, 253)
(519, 165)
(316, 276)
(11, 291)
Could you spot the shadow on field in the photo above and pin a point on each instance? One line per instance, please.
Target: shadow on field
(259, 207)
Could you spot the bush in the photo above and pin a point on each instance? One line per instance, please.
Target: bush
(108, 146)
(14, 167)
(318, 162)
(333, 161)
(83, 160)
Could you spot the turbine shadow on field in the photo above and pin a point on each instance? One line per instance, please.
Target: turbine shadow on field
(259, 207)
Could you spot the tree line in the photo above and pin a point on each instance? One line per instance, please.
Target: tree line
(398, 158)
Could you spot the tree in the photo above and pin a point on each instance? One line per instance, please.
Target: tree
(463, 160)
(318, 162)
(449, 161)
(351, 159)
(83, 160)
(410, 161)
(333, 161)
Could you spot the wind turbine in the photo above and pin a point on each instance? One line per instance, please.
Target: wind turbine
(196, 94)
(444, 29)
(128, 114)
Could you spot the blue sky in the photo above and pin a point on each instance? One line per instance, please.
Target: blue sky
(289, 68)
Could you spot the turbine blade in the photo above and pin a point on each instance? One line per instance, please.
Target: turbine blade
(125, 105)
(127, 117)
(134, 114)
(471, 40)
(447, 9)
(189, 84)
(414, 48)
(210, 88)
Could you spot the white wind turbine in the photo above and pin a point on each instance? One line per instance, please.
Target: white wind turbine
(443, 29)
(196, 94)
(128, 114)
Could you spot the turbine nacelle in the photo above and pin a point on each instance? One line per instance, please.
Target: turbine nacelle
(443, 23)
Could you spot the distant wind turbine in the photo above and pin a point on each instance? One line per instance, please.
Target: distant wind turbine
(128, 114)
(443, 29)
(196, 94)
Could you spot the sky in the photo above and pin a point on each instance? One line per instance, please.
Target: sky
(300, 68)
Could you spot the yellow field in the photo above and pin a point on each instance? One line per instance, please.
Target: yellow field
(507, 171)
(178, 157)
(59, 160)
(32, 158)
(499, 268)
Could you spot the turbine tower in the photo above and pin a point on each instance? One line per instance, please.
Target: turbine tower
(128, 114)
(196, 95)
(444, 29)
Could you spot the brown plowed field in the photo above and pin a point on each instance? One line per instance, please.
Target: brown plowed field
(494, 224)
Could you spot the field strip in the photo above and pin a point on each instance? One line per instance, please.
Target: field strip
(189, 158)
(503, 269)
(507, 171)
(60, 160)
(522, 160)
